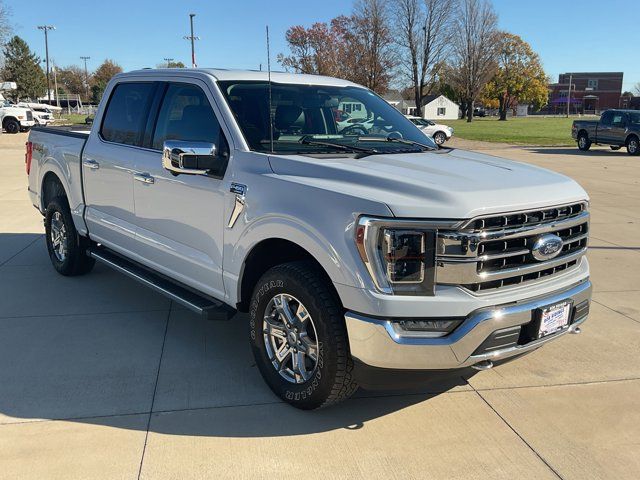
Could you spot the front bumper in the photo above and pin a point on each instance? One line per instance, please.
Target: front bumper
(381, 343)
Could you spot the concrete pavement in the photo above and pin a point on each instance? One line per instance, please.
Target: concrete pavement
(102, 378)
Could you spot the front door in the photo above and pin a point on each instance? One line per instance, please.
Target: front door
(180, 218)
(618, 132)
(108, 160)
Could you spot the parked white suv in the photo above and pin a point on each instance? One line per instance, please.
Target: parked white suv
(438, 132)
(355, 254)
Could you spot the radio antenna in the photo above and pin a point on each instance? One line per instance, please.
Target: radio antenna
(270, 99)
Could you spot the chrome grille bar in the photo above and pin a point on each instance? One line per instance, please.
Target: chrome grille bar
(500, 256)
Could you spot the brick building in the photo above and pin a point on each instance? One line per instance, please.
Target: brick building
(591, 92)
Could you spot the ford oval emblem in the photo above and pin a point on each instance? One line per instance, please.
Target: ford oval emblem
(546, 247)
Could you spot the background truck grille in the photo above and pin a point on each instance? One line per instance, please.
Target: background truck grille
(29, 115)
(494, 252)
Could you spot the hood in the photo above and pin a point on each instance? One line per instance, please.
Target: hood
(452, 184)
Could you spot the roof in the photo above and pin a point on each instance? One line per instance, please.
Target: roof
(222, 74)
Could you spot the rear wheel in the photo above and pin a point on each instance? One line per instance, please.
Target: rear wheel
(439, 138)
(584, 143)
(299, 338)
(633, 146)
(67, 250)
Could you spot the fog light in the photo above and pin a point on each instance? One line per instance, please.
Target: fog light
(441, 327)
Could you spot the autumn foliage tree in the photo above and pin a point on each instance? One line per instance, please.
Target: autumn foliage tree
(101, 77)
(355, 47)
(520, 77)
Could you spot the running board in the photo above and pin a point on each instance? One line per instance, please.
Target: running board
(207, 307)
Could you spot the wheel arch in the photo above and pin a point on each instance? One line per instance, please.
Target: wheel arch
(50, 187)
(267, 254)
(630, 136)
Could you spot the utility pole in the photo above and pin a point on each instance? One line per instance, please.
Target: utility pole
(86, 75)
(55, 82)
(193, 38)
(569, 93)
(168, 60)
(46, 28)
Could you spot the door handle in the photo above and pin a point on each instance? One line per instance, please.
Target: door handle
(92, 164)
(143, 177)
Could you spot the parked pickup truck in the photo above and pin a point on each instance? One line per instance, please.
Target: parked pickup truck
(616, 128)
(355, 254)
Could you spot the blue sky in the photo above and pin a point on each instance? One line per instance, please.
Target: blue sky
(569, 36)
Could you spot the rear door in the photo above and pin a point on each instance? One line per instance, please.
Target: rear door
(108, 163)
(180, 218)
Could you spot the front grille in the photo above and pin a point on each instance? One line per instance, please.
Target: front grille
(29, 115)
(494, 252)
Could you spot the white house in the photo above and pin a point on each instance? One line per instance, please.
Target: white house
(439, 107)
(434, 107)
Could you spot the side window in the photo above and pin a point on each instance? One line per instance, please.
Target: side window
(618, 120)
(606, 118)
(186, 114)
(126, 115)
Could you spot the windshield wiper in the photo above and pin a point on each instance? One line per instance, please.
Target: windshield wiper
(339, 146)
(396, 140)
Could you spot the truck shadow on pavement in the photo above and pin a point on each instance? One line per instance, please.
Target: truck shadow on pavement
(596, 151)
(102, 349)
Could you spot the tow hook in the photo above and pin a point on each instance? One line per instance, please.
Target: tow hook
(483, 365)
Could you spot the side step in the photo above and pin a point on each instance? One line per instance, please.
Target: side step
(207, 307)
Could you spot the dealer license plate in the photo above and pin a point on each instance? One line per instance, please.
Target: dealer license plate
(553, 318)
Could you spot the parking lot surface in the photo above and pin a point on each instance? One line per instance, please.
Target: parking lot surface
(102, 378)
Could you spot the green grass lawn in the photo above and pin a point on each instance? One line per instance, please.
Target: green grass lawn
(72, 119)
(517, 131)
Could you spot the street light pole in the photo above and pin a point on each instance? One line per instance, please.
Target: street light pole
(86, 75)
(192, 38)
(46, 29)
(168, 60)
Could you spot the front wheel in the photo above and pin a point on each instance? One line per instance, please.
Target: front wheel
(633, 146)
(11, 126)
(439, 138)
(584, 143)
(299, 338)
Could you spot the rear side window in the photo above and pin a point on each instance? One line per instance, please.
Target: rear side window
(186, 114)
(126, 115)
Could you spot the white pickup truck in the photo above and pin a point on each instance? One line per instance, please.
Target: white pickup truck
(355, 253)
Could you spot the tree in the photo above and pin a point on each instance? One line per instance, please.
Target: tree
(101, 77)
(423, 33)
(355, 48)
(474, 50)
(520, 77)
(5, 26)
(23, 67)
(171, 64)
(636, 88)
(71, 79)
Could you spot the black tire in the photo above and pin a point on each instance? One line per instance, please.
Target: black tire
(615, 147)
(439, 138)
(331, 379)
(584, 143)
(633, 146)
(75, 260)
(11, 125)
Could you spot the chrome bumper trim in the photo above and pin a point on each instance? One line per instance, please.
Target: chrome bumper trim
(379, 343)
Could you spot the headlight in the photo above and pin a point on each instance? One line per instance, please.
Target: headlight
(399, 255)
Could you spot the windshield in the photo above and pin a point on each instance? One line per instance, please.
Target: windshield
(317, 119)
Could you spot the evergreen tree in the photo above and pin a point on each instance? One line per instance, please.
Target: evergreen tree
(23, 67)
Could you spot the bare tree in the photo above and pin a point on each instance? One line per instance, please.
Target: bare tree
(423, 32)
(474, 50)
(636, 89)
(5, 28)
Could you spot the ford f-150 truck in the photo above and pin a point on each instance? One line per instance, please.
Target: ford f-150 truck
(616, 128)
(353, 252)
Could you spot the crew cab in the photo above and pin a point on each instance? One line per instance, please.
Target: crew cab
(616, 128)
(356, 254)
(438, 132)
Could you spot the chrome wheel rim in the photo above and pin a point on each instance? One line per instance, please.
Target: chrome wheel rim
(633, 146)
(439, 138)
(290, 338)
(58, 237)
(583, 142)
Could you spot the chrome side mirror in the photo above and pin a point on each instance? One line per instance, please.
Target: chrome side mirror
(191, 158)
